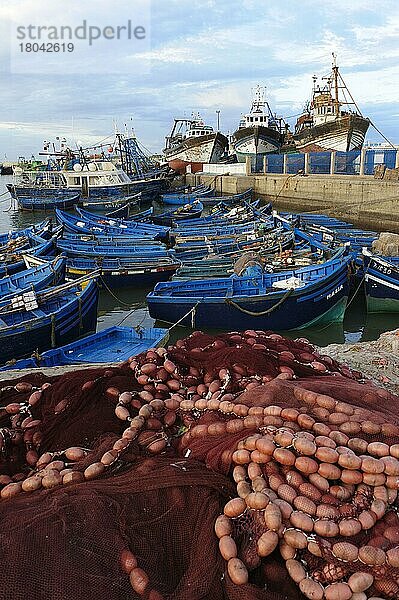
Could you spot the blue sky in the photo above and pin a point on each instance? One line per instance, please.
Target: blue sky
(200, 55)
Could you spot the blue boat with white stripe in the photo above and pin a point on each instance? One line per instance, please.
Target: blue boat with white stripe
(381, 281)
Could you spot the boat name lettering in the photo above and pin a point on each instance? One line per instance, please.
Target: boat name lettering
(338, 289)
(382, 268)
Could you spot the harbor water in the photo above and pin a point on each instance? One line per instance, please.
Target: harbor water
(127, 306)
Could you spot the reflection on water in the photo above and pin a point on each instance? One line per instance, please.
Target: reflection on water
(127, 306)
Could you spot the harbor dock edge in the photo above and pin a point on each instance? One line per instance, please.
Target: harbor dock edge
(366, 202)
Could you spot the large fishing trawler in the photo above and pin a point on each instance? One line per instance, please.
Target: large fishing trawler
(259, 132)
(193, 143)
(330, 122)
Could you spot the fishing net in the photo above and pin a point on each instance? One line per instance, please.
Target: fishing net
(240, 466)
(387, 244)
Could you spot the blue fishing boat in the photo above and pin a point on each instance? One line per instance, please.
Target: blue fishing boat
(62, 200)
(114, 240)
(181, 199)
(381, 281)
(221, 264)
(290, 300)
(228, 200)
(37, 247)
(227, 215)
(124, 272)
(96, 179)
(113, 250)
(43, 229)
(47, 319)
(185, 234)
(113, 205)
(124, 211)
(38, 275)
(102, 225)
(144, 215)
(112, 345)
(183, 213)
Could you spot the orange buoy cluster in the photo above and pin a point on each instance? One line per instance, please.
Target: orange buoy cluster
(317, 478)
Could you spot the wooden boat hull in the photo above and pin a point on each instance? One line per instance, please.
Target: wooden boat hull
(345, 134)
(196, 151)
(74, 319)
(118, 273)
(381, 281)
(321, 302)
(255, 143)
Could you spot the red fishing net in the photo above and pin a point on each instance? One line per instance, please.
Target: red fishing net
(242, 466)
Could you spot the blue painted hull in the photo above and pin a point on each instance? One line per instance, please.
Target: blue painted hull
(112, 249)
(36, 278)
(318, 302)
(47, 203)
(229, 200)
(69, 320)
(44, 249)
(381, 281)
(172, 217)
(181, 199)
(115, 205)
(90, 223)
(112, 345)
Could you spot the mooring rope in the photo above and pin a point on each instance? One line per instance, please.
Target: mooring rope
(264, 312)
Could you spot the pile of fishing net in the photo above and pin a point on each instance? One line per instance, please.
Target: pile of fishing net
(387, 244)
(242, 466)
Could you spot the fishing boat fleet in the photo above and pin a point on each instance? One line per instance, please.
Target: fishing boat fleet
(331, 120)
(209, 262)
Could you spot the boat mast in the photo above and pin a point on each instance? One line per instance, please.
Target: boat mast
(335, 73)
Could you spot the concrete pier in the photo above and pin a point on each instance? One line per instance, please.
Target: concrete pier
(367, 202)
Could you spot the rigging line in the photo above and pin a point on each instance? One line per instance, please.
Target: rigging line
(358, 287)
(282, 187)
(99, 143)
(380, 132)
(263, 312)
(293, 116)
(132, 311)
(191, 311)
(112, 294)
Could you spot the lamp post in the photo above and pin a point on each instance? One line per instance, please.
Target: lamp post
(218, 120)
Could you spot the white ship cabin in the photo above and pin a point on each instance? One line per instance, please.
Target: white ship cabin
(187, 129)
(198, 129)
(99, 173)
(324, 107)
(260, 114)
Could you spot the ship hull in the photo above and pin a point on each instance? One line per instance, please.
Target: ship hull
(344, 134)
(196, 152)
(255, 142)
